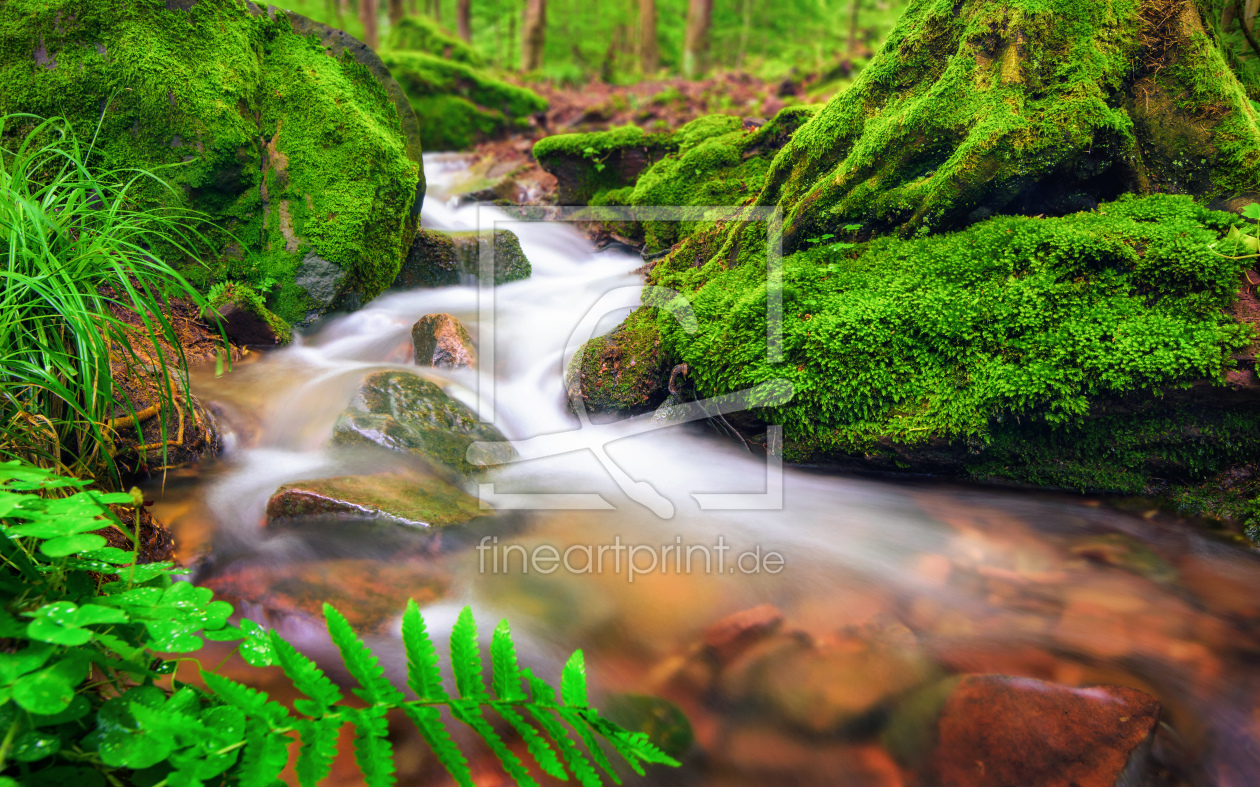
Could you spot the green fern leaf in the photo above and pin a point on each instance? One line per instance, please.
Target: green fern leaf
(631, 745)
(254, 703)
(576, 720)
(360, 661)
(307, 678)
(372, 749)
(466, 657)
(537, 745)
(266, 754)
(423, 675)
(573, 681)
(429, 722)
(319, 748)
(586, 774)
(470, 713)
(507, 675)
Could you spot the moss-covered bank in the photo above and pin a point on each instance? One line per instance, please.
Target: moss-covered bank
(290, 136)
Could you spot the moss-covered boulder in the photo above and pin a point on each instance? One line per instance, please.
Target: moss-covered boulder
(243, 316)
(403, 412)
(625, 373)
(446, 259)
(391, 498)
(457, 104)
(291, 136)
(422, 34)
(586, 165)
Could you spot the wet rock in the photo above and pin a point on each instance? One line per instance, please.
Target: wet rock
(409, 499)
(446, 259)
(735, 633)
(1126, 552)
(403, 412)
(997, 730)
(371, 594)
(441, 340)
(830, 686)
(321, 280)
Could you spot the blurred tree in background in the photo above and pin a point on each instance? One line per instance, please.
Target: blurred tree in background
(571, 42)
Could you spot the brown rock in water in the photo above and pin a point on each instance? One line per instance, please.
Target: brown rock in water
(441, 340)
(997, 731)
(414, 500)
(827, 687)
(735, 633)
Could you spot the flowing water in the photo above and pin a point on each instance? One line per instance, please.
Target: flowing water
(962, 579)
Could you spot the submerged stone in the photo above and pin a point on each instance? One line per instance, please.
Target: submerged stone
(447, 259)
(624, 373)
(403, 412)
(409, 499)
(441, 340)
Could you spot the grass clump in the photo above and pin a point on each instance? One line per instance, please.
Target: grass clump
(946, 337)
(75, 259)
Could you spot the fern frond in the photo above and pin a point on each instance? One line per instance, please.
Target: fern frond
(372, 749)
(586, 774)
(319, 748)
(537, 745)
(573, 681)
(578, 722)
(254, 703)
(266, 754)
(429, 722)
(631, 745)
(307, 678)
(423, 674)
(507, 675)
(466, 657)
(360, 662)
(470, 713)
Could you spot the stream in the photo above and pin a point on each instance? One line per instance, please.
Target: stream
(881, 585)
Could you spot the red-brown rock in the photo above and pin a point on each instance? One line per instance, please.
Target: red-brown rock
(734, 633)
(441, 340)
(998, 731)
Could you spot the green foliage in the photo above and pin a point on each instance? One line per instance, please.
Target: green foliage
(75, 258)
(73, 604)
(422, 34)
(945, 337)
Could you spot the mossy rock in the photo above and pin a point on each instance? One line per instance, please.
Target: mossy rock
(422, 34)
(244, 316)
(404, 499)
(624, 373)
(403, 412)
(445, 259)
(586, 164)
(458, 105)
(291, 136)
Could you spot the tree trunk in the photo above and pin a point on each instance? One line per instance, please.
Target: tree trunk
(649, 53)
(855, 9)
(396, 12)
(368, 15)
(696, 39)
(744, 29)
(533, 35)
(1000, 108)
(463, 19)
(437, 11)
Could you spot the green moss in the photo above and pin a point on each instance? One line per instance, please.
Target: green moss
(458, 105)
(422, 34)
(943, 338)
(244, 297)
(289, 150)
(587, 164)
(626, 372)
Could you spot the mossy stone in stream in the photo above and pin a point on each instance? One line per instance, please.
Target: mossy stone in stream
(446, 259)
(290, 136)
(244, 316)
(625, 373)
(588, 164)
(412, 500)
(403, 412)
